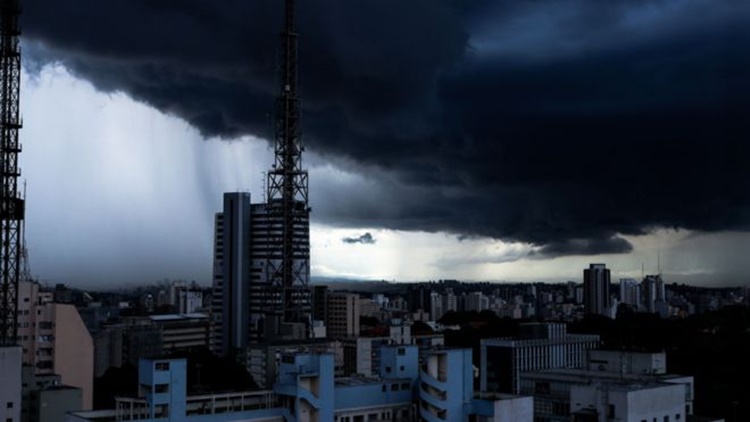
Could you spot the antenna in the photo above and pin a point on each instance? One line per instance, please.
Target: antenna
(658, 262)
(643, 270)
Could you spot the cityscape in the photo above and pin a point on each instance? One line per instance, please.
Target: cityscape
(289, 211)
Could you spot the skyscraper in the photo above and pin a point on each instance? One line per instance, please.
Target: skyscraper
(246, 303)
(630, 292)
(596, 289)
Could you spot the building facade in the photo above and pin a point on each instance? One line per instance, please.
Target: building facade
(246, 307)
(596, 290)
(342, 313)
(538, 346)
(55, 340)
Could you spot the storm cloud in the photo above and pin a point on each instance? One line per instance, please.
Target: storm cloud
(559, 123)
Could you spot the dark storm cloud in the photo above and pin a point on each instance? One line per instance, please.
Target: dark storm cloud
(365, 239)
(558, 123)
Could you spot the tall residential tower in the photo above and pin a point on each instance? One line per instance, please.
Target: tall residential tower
(596, 287)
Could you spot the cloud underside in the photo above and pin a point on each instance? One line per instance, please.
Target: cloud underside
(562, 124)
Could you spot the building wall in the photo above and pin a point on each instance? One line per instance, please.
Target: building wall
(502, 360)
(10, 383)
(446, 387)
(596, 290)
(53, 404)
(74, 352)
(631, 403)
(627, 362)
(343, 313)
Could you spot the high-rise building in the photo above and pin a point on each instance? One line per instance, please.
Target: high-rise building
(231, 280)
(596, 286)
(320, 300)
(245, 303)
(630, 292)
(653, 290)
(343, 315)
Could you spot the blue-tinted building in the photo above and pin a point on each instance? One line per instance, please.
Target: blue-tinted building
(307, 391)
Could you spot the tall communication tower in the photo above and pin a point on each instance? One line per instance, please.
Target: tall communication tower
(11, 203)
(288, 265)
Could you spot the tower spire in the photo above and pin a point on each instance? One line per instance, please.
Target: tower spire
(287, 190)
(11, 204)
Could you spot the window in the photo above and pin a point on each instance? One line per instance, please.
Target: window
(401, 368)
(394, 387)
(677, 417)
(162, 366)
(666, 418)
(401, 351)
(161, 388)
(387, 369)
(9, 405)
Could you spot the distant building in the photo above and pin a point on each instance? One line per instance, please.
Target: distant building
(343, 312)
(596, 290)
(654, 294)
(538, 346)
(477, 302)
(630, 292)
(186, 298)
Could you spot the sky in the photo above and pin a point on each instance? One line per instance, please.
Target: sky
(477, 140)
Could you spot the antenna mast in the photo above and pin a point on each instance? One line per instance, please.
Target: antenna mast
(288, 266)
(11, 204)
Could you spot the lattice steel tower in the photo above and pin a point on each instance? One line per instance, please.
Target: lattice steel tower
(11, 205)
(288, 265)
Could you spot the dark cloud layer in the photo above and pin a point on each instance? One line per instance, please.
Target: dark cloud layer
(562, 123)
(365, 239)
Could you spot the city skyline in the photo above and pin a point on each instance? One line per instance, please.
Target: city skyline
(120, 192)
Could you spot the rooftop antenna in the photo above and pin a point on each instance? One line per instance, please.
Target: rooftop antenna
(658, 262)
(643, 270)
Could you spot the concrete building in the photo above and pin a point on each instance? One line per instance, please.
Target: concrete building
(437, 306)
(616, 361)
(654, 294)
(552, 391)
(186, 298)
(307, 390)
(538, 346)
(630, 292)
(246, 308)
(625, 402)
(446, 392)
(477, 302)
(262, 360)
(45, 398)
(10, 383)
(342, 312)
(55, 340)
(596, 290)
